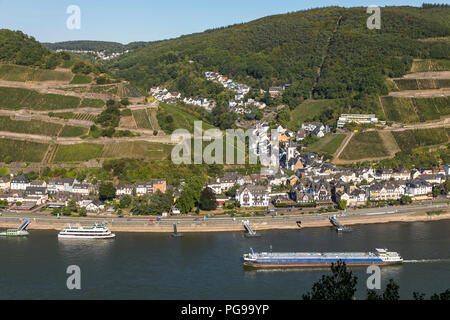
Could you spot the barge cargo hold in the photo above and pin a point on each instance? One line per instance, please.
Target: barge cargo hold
(320, 259)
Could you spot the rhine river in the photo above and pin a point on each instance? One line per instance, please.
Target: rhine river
(208, 266)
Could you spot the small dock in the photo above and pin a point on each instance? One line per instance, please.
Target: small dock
(339, 227)
(250, 231)
(21, 231)
(175, 233)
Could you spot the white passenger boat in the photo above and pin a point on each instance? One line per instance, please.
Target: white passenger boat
(98, 231)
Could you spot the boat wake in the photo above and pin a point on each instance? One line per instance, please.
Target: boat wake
(426, 260)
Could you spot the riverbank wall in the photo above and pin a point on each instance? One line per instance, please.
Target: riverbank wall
(221, 225)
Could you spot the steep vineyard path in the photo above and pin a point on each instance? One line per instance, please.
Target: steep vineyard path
(324, 56)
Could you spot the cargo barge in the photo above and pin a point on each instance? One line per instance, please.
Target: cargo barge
(319, 259)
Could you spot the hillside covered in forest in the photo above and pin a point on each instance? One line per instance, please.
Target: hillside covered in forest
(89, 45)
(292, 48)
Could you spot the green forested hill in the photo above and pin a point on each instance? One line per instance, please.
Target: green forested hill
(289, 48)
(16, 47)
(106, 46)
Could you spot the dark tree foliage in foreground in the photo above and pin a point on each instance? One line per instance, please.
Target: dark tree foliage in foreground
(390, 293)
(208, 199)
(341, 285)
(106, 191)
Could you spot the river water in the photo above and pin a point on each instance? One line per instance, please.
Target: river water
(208, 266)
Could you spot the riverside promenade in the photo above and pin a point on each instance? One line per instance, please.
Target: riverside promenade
(221, 224)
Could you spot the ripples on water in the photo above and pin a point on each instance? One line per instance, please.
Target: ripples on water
(208, 265)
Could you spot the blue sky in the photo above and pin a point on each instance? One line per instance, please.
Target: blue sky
(135, 20)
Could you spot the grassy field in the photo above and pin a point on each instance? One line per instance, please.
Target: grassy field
(32, 126)
(78, 152)
(141, 118)
(307, 110)
(410, 139)
(329, 144)
(21, 73)
(15, 150)
(427, 65)
(18, 98)
(365, 145)
(81, 79)
(182, 119)
(139, 149)
(92, 103)
(72, 131)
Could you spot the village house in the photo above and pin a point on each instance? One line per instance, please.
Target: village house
(433, 178)
(253, 196)
(278, 179)
(153, 186)
(385, 191)
(401, 174)
(122, 190)
(301, 195)
(5, 183)
(315, 128)
(275, 91)
(159, 185)
(61, 185)
(419, 190)
(19, 183)
(383, 174)
(92, 205)
(37, 195)
(82, 188)
(143, 188)
(38, 183)
(355, 198)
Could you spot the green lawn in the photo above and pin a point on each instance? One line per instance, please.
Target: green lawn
(181, 119)
(81, 79)
(364, 145)
(329, 144)
(307, 110)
